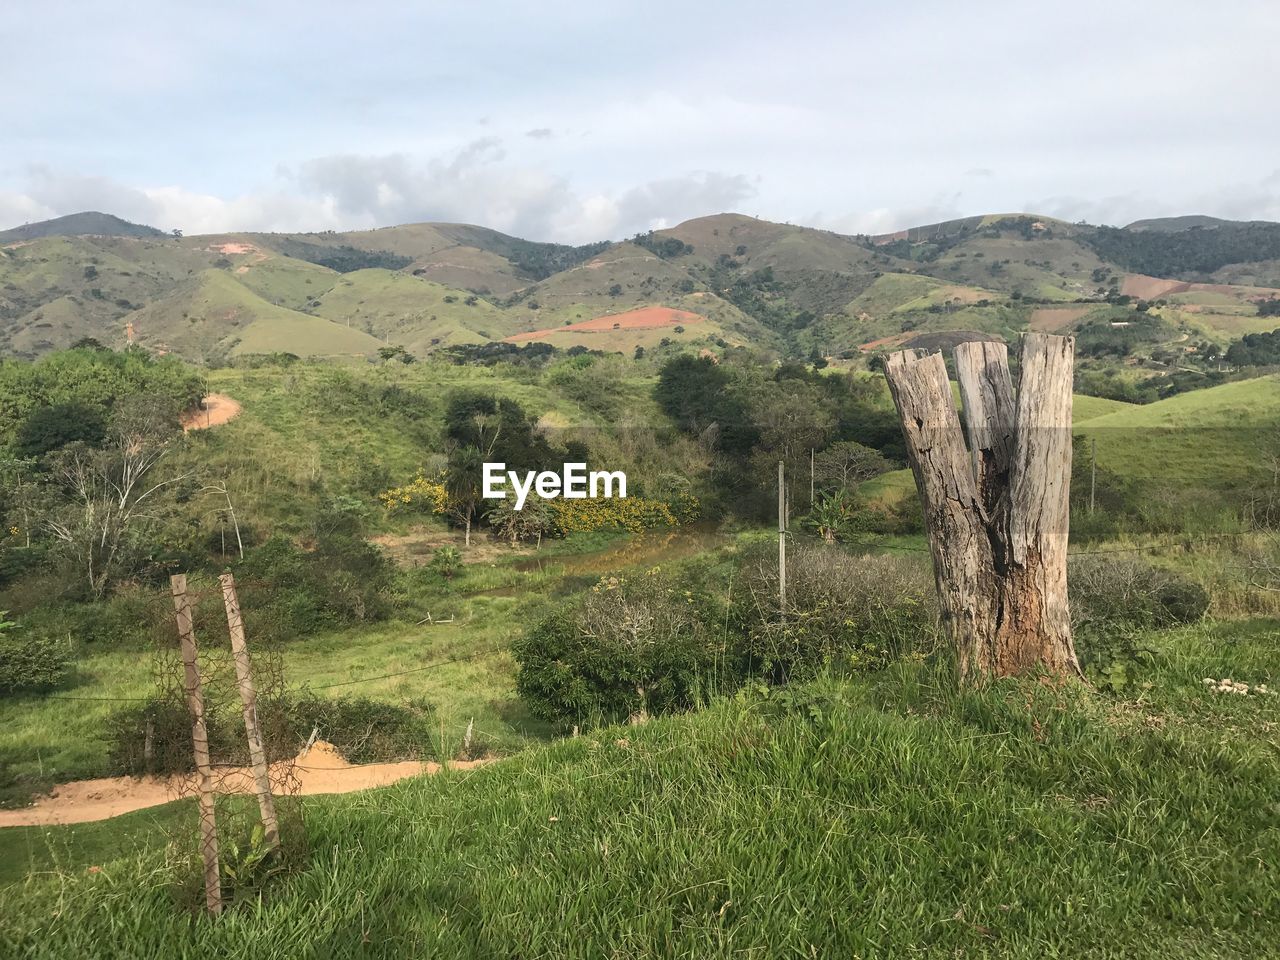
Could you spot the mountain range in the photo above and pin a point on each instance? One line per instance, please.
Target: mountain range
(714, 281)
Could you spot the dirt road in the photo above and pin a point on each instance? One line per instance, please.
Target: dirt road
(320, 770)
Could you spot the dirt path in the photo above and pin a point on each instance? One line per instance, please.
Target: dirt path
(321, 770)
(214, 410)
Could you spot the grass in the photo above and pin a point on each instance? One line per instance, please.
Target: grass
(403, 309)
(874, 817)
(464, 668)
(1207, 439)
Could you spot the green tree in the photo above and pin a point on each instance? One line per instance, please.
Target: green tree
(463, 485)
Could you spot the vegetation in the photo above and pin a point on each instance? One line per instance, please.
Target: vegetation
(1115, 812)
(1255, 350)
(1197, 251)
(400, 616)
(341, 257)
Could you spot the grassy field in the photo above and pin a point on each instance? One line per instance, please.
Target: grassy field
(463, 667)
(879, 817)
(1212, 439)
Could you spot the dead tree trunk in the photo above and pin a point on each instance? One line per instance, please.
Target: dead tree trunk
(997, 513)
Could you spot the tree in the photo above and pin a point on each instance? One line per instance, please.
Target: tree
(533, 522)
(108, 492)
(847, 464)
(50, 428)
(463, 485)
(997, 518)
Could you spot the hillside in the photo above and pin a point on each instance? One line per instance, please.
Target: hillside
(1217, 439)
(789, 290)
(90, 223)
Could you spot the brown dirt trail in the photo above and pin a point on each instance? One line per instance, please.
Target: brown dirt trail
(214, 410)
(320, 770)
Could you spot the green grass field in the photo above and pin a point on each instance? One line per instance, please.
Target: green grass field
(1212, 439)
(879, 817)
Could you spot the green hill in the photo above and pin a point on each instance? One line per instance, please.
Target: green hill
(90, 223)
(413, 312)
(213, 314)
(1216, 439)
(786, 289)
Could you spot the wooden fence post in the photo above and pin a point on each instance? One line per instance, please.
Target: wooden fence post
(782, 545)
(249, 700)
(997, 515)
(200, 744)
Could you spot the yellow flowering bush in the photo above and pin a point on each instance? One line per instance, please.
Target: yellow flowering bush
(425, 492)
(634, 514)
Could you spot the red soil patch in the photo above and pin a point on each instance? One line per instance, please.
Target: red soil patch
(1052, 319)
(234, 249)
(214, 410)
(1151, 288)
(892, 341)
(644, 318)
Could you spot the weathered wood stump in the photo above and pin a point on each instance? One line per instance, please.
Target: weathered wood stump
(997, 512)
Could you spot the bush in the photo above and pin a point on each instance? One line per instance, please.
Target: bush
(631, 648)
(361, 729)
(365, 730)
(1125, 591)
(293, 592)
(1115, 602)
(169, 750)
(842, 611)
(28, 663)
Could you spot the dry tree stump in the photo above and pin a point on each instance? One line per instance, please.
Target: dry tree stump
(996, 511)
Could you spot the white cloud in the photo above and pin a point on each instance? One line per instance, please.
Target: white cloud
(474, 184)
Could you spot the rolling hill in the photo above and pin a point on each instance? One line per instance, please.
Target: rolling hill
(89, 223)
(789, 290)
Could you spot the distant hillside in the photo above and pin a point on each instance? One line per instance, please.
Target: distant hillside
(89, 224)
(784, 289)
(1175, 224)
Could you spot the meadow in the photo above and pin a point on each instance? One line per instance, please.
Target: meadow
(889, 816)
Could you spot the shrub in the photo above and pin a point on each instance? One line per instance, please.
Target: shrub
(361, 729)
(1115, 601)
(365, 730)
(447, 562)
(842, 611)
(29, 663)
(166, 723)
(1120, 590)
(345, 579)
(632, 647)
(634, 514)
(426, 494)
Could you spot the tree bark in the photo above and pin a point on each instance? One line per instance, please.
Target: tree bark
(962, 560)
(997, 515)
(1036, 626)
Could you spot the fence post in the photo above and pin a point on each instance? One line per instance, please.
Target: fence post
(200, 744)
(782, 544)
(249, 699)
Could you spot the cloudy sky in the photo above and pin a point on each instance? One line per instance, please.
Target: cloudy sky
(588, 120)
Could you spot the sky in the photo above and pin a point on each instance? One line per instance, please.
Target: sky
(576, 122)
